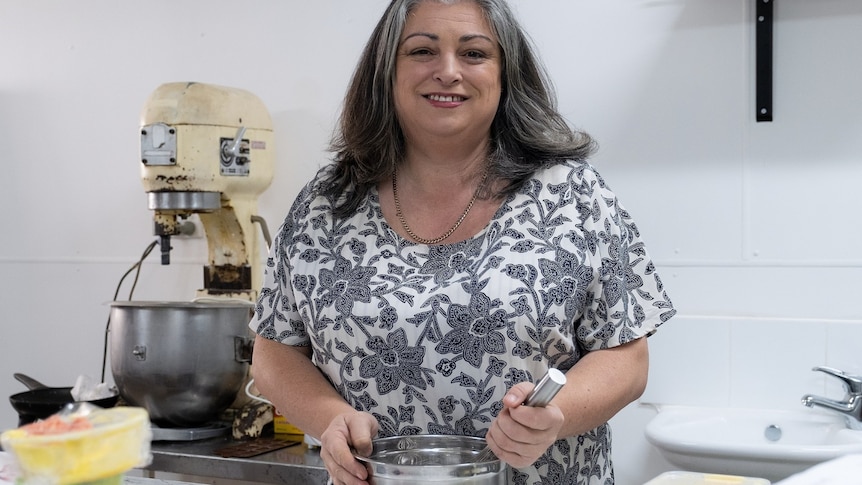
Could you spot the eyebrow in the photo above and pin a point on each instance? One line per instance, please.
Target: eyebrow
(463, 38)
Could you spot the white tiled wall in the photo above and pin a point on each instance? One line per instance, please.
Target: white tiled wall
(749, 362)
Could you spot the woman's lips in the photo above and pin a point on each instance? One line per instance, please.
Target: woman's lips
(446, 98)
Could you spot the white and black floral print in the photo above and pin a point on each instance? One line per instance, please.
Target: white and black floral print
(429, 338)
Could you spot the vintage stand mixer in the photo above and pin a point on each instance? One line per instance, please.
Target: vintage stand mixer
(205, 150)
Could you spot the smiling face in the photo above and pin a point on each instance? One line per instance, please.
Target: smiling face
(448, 73)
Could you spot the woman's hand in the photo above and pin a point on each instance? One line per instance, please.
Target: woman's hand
(356, 430)
(520, 434)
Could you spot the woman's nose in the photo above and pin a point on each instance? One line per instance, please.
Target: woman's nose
(448, 69)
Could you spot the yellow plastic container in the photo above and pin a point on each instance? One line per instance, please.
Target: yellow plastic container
(118, 441)
(283, 427)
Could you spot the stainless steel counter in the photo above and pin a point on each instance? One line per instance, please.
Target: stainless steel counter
(294, 465)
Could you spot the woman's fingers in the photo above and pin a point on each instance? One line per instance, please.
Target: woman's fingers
(520, 434)
(347, 431)
(362, 428)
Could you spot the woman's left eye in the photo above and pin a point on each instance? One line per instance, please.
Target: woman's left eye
(475, 54)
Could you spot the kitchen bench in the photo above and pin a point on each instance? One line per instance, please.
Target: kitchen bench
(294, 465)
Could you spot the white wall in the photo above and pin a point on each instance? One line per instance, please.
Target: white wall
(753, 225)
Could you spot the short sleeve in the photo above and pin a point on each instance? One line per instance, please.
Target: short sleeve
(276, 316)
(628, 298)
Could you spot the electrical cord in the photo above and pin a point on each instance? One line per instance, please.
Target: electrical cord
(137, 268)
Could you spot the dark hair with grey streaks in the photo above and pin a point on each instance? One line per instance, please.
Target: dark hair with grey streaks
(528, 133)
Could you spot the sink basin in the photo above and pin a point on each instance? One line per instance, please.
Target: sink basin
(764, 443)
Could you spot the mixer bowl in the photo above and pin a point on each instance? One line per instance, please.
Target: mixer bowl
(184, 362)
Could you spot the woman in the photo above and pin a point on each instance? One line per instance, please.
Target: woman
(460, 245)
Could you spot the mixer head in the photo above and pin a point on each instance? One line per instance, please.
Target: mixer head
(207, 150)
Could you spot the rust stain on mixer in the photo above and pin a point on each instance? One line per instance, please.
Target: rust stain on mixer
(227, 277)
(172, 179)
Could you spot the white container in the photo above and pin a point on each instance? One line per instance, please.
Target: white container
(692, 478)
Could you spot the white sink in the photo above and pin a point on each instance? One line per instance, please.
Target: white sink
(764, 443)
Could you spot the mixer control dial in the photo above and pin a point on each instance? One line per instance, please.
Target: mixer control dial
(235, 154)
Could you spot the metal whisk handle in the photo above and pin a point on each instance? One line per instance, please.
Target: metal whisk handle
(548, 387)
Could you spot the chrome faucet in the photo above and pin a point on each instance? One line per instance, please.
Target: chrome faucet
(850, 406)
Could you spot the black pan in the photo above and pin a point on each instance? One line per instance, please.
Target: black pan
(42, 401)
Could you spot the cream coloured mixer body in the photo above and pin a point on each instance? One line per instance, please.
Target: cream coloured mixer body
(208, 150)
(205, 150)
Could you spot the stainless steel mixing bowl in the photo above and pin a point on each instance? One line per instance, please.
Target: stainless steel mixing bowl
(184, 362)
(432, 459)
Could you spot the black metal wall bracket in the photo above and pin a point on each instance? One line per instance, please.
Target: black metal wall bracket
(763, 60)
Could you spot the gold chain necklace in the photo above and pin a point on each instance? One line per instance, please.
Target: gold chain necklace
(450, 231)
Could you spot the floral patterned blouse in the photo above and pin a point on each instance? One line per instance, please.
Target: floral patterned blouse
(429, 338)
